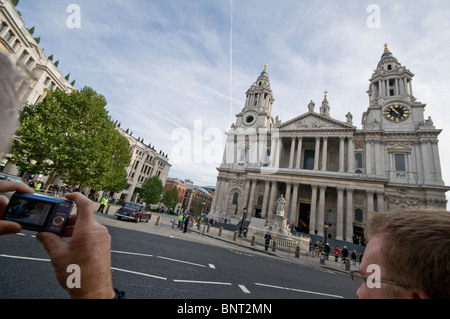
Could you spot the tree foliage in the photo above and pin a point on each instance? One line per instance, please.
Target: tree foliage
(72, 136)
(170, 198)
(151, 190)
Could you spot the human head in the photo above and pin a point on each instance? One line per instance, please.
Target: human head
(412, 248)
(9, 106)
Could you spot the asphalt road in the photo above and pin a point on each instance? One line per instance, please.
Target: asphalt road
(149, 266)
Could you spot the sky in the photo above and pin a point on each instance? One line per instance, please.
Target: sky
(175, 72)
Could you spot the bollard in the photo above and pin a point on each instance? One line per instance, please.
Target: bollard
(235, 235)
(322, 259)
(107, 208)
(157, 220)
(208, 228)
(253, 240)
(297, 252)
(274, 247)
(347, 264)
(220, 231)
(173, 223)
(198, 225)
(203, 231)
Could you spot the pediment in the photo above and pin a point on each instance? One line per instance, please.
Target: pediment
(399, 148)
(311, 121)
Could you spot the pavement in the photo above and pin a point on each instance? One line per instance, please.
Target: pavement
(166, 225)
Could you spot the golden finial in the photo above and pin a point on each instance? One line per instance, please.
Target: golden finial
(265, 67)
(325, 94)
(386, 47)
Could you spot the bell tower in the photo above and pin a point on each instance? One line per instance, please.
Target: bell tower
(257, 111)
(392, 105)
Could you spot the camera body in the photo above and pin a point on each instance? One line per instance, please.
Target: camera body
(38, 212)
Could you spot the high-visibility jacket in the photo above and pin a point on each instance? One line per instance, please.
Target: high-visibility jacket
(104, 201)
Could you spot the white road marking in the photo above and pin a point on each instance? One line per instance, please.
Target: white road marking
(129, 253)
(244, 289)
(300, 290)
(212, 266)
(181, 261)
(138, 273)
(26, 258)
(203, 282)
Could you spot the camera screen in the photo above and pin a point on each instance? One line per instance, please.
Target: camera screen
(28, 211)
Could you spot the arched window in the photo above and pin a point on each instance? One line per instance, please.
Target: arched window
(235, 198)
(260, 200)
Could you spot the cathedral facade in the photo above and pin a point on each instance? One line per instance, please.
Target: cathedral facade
(331, 173)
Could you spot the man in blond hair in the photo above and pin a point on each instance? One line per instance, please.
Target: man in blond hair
(410, 250)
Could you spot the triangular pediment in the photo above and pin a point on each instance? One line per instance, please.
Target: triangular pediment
(311, 121)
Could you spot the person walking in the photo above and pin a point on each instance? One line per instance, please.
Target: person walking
(353, 257)
(336, 253)
(186, 223)
(344, 254)
(267, 239)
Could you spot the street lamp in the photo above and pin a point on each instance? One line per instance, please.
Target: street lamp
(244, 216)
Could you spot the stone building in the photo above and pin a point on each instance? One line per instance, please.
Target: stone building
(329, 171)
(145, 163)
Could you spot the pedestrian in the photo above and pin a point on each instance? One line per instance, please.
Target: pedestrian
(180, 220)
(327, 250)
(103, 203)
(267, 239)
(336, 253)
(353, 257)
(38, 186)
(410, 248)
(186, 223)
(344, 253)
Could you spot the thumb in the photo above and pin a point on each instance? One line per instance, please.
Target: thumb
(52, 243)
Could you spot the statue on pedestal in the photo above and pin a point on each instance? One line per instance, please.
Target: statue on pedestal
(281, 205)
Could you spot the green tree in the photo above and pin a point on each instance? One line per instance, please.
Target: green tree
(151, 190)
(72, 136)
(170, 198)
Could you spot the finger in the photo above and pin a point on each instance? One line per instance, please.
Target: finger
(51, 242)
(8, 186)
(3, 205)
(84, 208)
(8, 228)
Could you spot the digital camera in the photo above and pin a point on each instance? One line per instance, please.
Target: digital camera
(38, 212)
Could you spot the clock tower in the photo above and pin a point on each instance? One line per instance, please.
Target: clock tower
(392, 105)
(258, 105)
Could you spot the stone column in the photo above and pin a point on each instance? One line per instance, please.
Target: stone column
(251, 201)
(299, 153)
(349, 216)
(273, 194)
(317, 154)
(370, 206)
(341, 154)
(321, 210)
(291, 155)
(324, 153)
(312, 217)
(293, 218)
(266, 198)
(380, 201)
(340, 214)
(350, 156)
(288, 199)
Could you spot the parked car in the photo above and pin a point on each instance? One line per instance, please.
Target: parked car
(133, 211)
(9, 177)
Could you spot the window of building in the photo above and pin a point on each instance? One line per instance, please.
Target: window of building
(242, 156)
(400, 164)
(308, 162)
(235, 198)
(358, 215)
(260, 200)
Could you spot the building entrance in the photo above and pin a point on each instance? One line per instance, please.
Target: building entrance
(303, 218)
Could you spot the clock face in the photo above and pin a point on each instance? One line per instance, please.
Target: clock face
(396, 113)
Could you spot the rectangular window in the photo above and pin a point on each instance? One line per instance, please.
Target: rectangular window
(242, 156)
(308, 162)
(400, 164)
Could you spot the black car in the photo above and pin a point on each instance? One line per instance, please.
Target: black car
(133, 211)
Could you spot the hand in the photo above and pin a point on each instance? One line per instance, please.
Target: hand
(7, 227)
(89, 248)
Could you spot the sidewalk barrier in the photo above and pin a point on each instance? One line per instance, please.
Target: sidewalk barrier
(220, 231)
(297, 252)
(274, 246)
(253, 241)
(157, 220)
(235, 235)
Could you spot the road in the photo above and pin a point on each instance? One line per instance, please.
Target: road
(150, 266)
